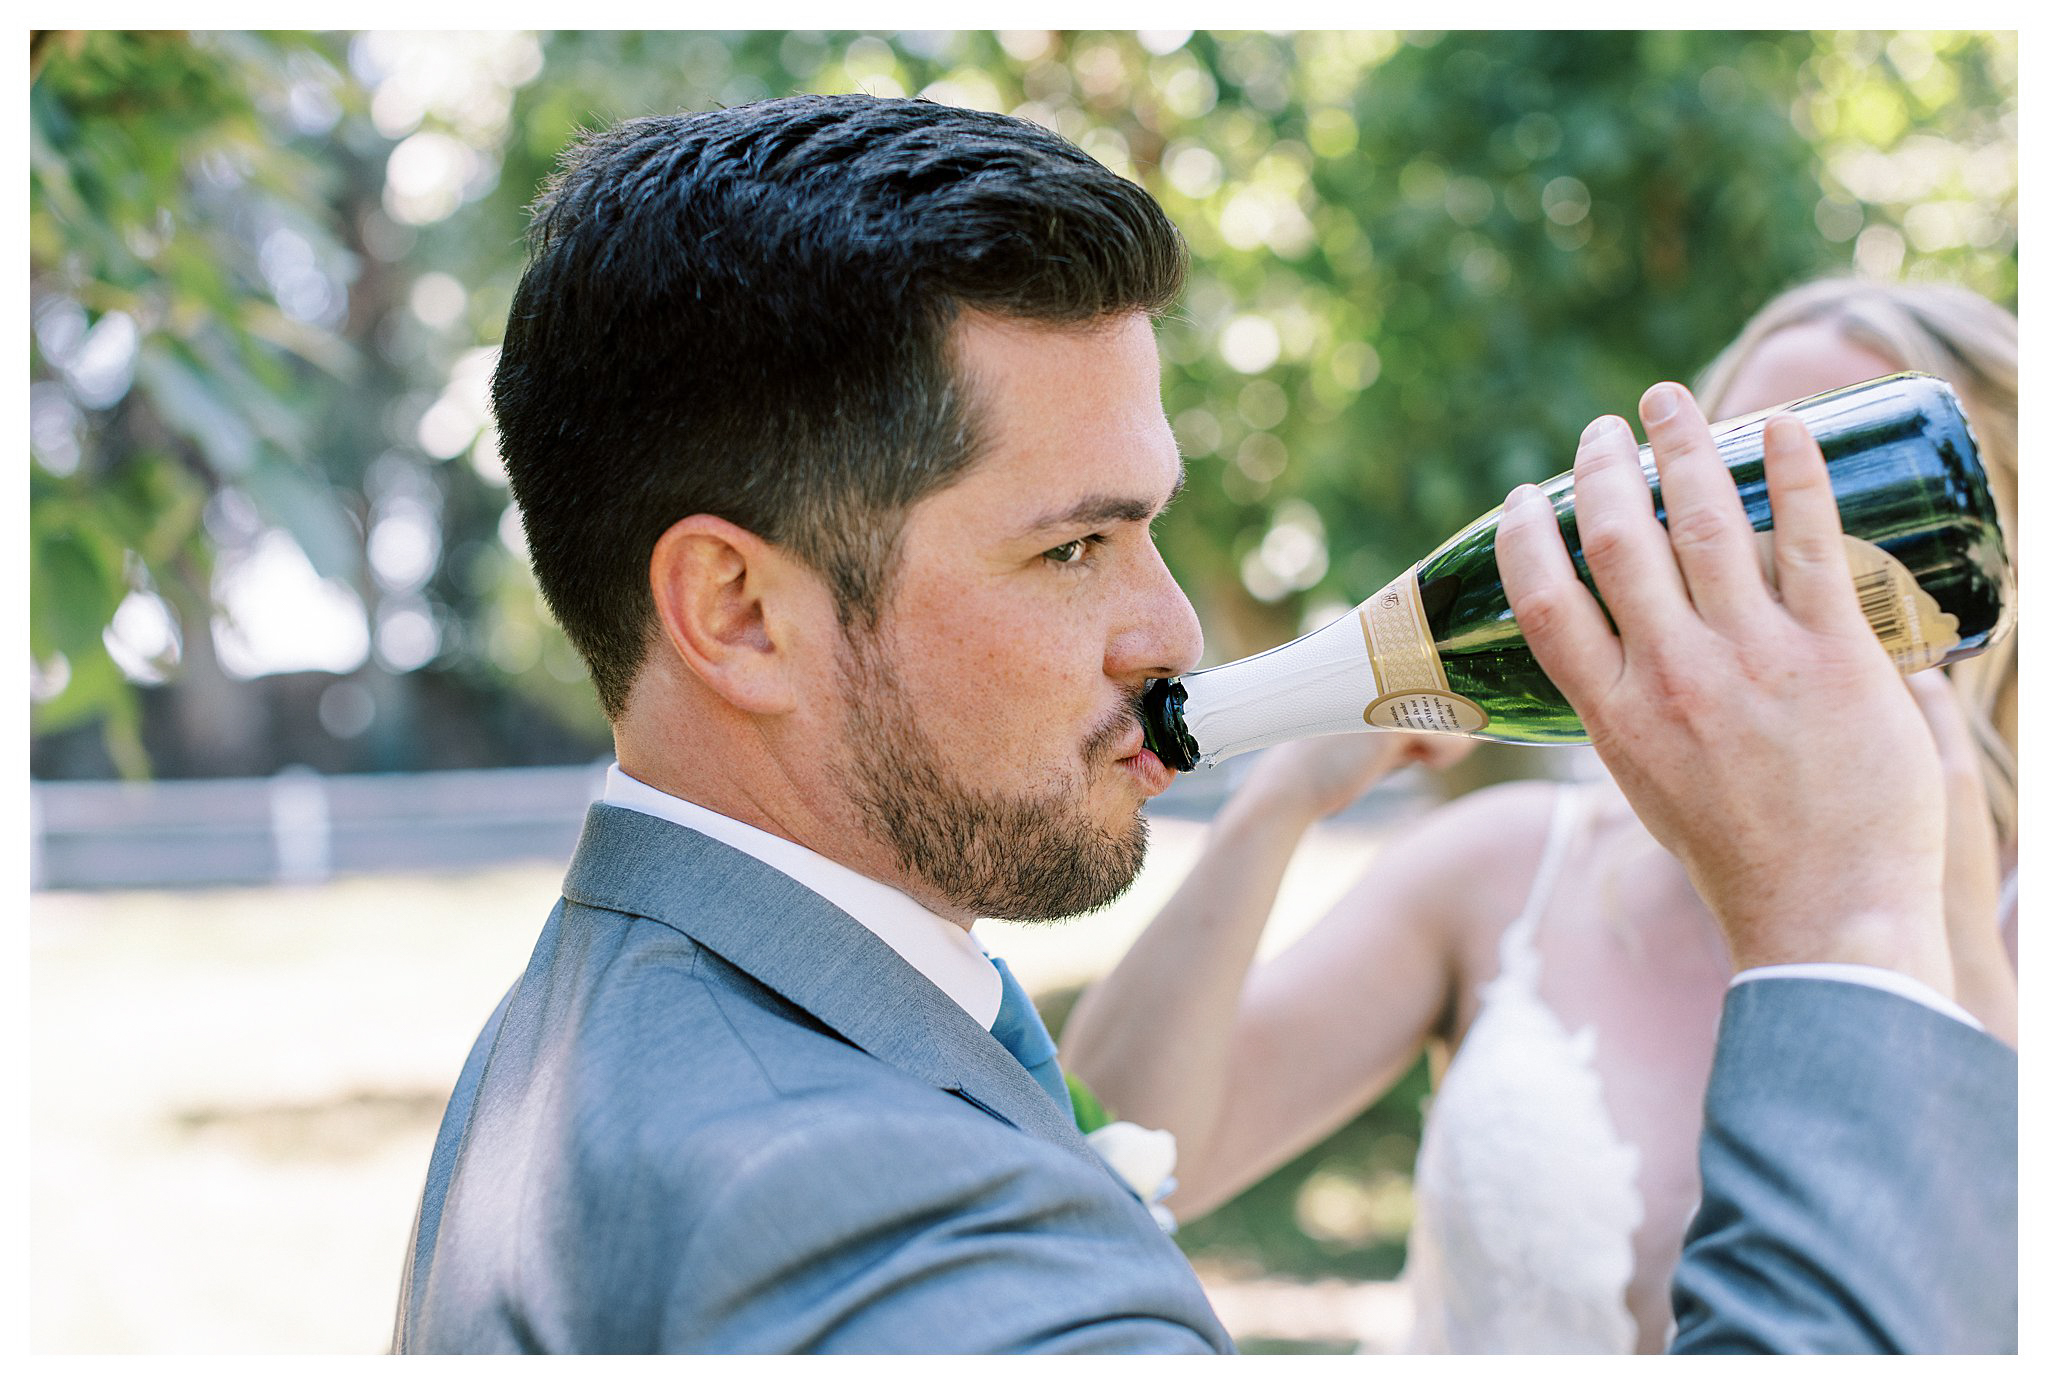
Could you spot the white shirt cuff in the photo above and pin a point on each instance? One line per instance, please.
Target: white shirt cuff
(1885, 979)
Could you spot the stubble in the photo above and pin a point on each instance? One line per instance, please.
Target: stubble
(1027, 858)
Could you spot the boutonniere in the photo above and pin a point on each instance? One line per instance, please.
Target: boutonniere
(1142, 1158)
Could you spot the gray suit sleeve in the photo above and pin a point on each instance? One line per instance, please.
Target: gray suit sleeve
(967, 1238)
(1859, 1171)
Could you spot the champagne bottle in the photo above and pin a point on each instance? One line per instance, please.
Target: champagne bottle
(1438, 649)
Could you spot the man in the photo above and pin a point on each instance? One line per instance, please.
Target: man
(835, 426)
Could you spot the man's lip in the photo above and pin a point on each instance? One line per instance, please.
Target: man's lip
(1150, 771)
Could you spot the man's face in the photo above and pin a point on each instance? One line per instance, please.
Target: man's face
(991, 729)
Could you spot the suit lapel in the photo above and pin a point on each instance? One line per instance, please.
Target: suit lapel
(807, 951)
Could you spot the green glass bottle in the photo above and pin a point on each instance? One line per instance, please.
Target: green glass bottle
(1438, 648)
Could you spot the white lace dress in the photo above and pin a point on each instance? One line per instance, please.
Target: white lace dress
(1526, 1195)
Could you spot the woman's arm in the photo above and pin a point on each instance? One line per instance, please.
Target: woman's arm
(1152, 1038)
(1326, 1027)
(1985, 983)
(1246, 1074)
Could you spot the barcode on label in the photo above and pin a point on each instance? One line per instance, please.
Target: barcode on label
(1882, 607)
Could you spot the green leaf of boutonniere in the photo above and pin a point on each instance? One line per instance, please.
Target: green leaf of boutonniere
(1089, 1112)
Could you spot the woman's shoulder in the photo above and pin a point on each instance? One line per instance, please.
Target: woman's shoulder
(1498, 815)
(1480, 852)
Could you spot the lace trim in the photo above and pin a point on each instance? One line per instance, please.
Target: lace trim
(1526, 1195)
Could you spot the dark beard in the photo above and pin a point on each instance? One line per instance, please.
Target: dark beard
(1023, 858)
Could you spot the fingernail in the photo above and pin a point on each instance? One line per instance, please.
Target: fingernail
(1521, 497)
(1600, 428)
(1660, 403)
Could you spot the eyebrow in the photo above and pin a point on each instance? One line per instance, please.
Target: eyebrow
(1109, 509)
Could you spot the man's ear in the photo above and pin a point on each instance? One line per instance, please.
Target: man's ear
(729, 603)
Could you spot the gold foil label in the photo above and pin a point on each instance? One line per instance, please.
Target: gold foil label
(1414, 694)
(1914, 630)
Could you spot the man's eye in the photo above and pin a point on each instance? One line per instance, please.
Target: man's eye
(1067, 553)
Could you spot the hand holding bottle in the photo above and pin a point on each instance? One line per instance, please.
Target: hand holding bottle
(1438, 649)
(1762, 735)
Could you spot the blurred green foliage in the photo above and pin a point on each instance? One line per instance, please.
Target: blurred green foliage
(267, 272)
(164, 367)
(1342, 1207)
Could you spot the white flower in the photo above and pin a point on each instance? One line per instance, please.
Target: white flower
(1142, 1158)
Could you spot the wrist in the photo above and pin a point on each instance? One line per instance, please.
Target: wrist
(1910, 942)
(1268, 809)
(1300, 790)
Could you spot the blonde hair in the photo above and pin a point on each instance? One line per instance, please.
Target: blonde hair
(1973, 344)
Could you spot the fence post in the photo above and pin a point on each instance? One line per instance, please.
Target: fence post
(300, 828)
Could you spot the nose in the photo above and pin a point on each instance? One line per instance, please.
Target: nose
(1160, 636)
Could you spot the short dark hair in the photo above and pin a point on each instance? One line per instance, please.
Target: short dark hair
(748, 313)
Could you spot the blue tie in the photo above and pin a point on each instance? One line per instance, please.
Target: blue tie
(1019, 1029)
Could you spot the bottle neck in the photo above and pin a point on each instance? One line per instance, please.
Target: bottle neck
(1319, 685)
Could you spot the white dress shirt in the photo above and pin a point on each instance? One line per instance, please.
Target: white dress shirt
(944, 953)
(1884, 978)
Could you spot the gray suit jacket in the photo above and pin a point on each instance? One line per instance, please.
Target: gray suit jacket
(716, 1114)
(1859, 1180)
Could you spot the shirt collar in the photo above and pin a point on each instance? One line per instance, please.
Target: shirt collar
(947, 955)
